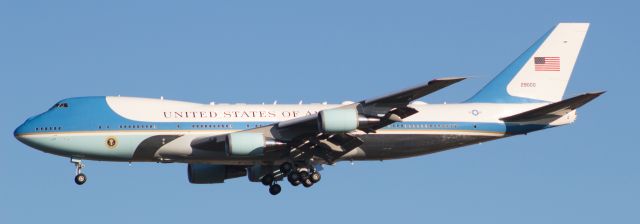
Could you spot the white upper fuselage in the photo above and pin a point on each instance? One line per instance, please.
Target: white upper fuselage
(159, 110)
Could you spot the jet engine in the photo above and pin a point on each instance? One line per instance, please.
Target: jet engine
(211, 174)
(342, 120)
(249, 144)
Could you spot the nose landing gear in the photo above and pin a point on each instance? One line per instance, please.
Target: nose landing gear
(80, 178)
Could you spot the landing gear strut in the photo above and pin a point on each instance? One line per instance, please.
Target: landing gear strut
(80, 178)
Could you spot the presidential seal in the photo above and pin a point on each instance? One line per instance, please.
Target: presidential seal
(111, 142)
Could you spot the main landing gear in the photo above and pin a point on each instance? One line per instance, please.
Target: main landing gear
(80, 177)
(305, 175)
(270, 180)
(275, 189)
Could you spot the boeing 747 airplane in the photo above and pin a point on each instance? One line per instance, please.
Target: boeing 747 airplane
(272, 142)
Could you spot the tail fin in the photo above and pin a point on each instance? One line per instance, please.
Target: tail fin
(542, 72)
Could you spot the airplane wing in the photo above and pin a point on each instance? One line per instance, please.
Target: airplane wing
(325, 134)
(381, 105)
(394, 107)
(554, 110)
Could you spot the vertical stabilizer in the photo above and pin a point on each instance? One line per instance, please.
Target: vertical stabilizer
(542, 72)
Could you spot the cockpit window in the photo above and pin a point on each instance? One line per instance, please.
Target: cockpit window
(60, 105)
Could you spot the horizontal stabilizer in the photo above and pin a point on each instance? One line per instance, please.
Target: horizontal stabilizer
(554, 110)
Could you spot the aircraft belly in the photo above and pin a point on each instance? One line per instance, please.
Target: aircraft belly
(375, 147)
(177, 148)
(396, 146)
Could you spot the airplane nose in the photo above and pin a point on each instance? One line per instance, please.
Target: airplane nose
(22, 134)
(18, 133)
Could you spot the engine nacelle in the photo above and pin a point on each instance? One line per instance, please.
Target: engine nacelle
(249, 144)
(211, 174)
(338, 120)
(342, 120)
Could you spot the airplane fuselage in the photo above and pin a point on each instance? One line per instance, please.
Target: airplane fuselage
(142, 129)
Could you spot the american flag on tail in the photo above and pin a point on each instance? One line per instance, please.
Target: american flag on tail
(547, 63)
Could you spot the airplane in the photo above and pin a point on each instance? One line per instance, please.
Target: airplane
(272, 142)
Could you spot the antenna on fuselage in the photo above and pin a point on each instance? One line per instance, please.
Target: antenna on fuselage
(161, 97)
(347, 102)
(275, 102)
(300, 103)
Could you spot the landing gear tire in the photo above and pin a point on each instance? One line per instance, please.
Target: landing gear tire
(267, 180)
(286, 167)
(304, 175)
(293, 177)
(296, 183)
(80, 179)
(315, 177)
(307, 183)
(275, 189)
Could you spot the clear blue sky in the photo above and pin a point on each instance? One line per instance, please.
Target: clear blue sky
(317, 51)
